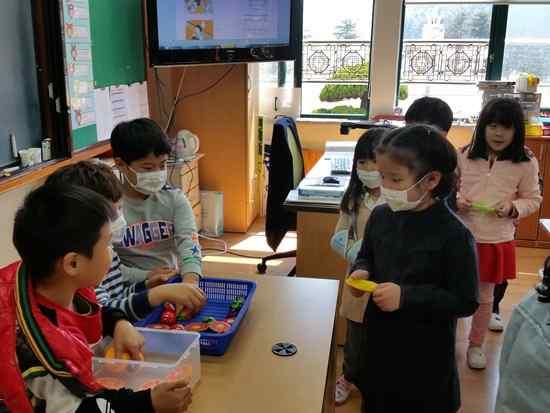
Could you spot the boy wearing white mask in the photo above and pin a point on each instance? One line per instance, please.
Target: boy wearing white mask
(161, 228)
(136, 299)
(360, 198)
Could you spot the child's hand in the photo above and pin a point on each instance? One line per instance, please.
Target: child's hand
(159, 276)
(126, 339)
(358, 275)
(387, 296)
(171, 397)
(187, 295)
(505, 209)
(463, 204)
(191, 278)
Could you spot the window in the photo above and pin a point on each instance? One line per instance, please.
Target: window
(444, 54)
(448, 48)
(335, 57)
(527, 45)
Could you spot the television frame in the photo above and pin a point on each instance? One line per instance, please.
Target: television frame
(180, 57)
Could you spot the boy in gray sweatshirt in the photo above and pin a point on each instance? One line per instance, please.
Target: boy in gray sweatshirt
(136, 299)
(161, 229)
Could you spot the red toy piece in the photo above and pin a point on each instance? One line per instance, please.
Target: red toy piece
(196, 327)
(168, 318)
(219, 327)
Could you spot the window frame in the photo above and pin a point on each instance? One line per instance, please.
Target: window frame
(497, 42)
(495, 52)
(298, 77)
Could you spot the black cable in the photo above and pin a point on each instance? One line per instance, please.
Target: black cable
(200, 92)
(160, 94)
(158, 90)
(173, 169)
(188, 164)
(206, 89)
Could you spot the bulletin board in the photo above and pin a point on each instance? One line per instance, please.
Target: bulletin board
(105, 66)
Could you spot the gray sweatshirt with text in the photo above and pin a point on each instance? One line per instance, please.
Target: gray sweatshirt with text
(161, 232)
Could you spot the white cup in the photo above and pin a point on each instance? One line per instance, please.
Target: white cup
(36, 155)
(26, 157)
(30, 156)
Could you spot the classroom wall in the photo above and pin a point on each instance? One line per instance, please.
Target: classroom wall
(9, 202)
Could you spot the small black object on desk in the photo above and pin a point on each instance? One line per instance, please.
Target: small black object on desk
(544, 287)
(330, 180)
(284, 349)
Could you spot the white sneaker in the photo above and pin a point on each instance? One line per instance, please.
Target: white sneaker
(343, 390)
(476, 358)
(496, 323)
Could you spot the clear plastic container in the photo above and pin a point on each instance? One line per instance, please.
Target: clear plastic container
(168, 355)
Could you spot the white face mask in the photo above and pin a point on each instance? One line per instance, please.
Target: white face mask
(149, 183)
(118, 226)
(370, 179)
(398, 200)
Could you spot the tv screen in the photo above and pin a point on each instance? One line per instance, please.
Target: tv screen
(221, 31)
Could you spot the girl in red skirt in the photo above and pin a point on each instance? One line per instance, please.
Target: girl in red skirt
(498, 185)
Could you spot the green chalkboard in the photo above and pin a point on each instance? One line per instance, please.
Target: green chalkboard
(117, 42)
(84, 137)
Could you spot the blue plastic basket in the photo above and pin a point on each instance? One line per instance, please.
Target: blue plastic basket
(220, 293)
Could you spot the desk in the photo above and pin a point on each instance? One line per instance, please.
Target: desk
(316, 220)
(250, 379)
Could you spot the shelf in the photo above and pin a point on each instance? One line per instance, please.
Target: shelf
(35, 173)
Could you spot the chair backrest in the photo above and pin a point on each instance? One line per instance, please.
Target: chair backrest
(286, 170)
(297, 157)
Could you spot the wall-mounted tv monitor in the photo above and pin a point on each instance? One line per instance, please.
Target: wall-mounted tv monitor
(182, 32)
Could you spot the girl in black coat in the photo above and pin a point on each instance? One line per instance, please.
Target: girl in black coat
(423, 259)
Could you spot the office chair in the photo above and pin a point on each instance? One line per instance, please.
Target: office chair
(286, 170)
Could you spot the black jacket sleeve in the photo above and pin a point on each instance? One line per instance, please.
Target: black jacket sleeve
(364, 258)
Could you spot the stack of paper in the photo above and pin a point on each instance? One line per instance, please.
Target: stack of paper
(119, 104)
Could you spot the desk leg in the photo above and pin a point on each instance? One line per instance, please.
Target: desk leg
(329, 403)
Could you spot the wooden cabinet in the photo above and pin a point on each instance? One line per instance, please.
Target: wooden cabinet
(185, 175)
(219, 105)
(529, 232)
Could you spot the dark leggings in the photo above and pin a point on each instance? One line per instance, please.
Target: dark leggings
(500, 290)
